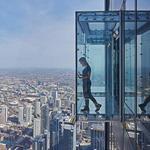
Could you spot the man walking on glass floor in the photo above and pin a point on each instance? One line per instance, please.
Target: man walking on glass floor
(85, 76)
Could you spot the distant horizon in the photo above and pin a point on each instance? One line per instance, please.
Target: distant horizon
(34, 68)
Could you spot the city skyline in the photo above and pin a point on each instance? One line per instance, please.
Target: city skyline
(28, 103)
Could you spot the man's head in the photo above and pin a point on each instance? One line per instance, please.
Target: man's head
(83, 61)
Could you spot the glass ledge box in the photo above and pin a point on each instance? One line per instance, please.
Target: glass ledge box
(110, 67)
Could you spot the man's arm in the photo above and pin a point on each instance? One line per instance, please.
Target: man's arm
(87, 76)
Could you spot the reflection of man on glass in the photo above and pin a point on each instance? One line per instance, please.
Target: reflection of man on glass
(143, 105)
(85, 76)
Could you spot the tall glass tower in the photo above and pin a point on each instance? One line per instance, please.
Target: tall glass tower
(112, 65)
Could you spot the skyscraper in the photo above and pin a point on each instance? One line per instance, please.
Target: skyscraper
(97, 137)
(73, 108)
(43, 99)
(44, 118)
(37, 108)
(21, 114)
(36, 127)
(58, 103)
(3, 114)
(47, 139)
(68, 141)
(2, 146)
(54, 94)
(39, 143)
(55, 130)
(28, 112)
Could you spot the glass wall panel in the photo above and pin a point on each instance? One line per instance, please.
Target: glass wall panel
(130, 84)
(93, 51)
(130, 4)
(91, 135)
(143, 4)
(130, 78)
(143, 66)
(115, 4)
(115, 72)
(137, 75)
(94, 38)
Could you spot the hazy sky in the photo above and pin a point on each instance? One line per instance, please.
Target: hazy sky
(39, 33)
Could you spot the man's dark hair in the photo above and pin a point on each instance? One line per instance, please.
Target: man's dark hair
(83, 59)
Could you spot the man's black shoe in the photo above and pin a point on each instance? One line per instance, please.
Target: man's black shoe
(98, 106)
(85, 109)
(142, 107)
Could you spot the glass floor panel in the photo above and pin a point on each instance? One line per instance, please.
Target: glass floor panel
(100, 100)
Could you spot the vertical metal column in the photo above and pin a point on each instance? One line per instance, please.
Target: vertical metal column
(108, 80)
(107, 135)
(122, 66)
(76, 65)
(135, 122)
(107, 3)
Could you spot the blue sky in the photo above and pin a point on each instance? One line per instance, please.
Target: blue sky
(39, 33)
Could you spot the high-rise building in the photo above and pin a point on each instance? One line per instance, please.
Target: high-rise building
(28, 112)
(37, 108)
(73, 108)
(43, 99)
(63, 132)
(51, 102)
(68, 137)
(97, 137)
(3, 114)
(58, 103)
(55, 130)
(21, 114)
(53, 140)
(3, 146)
(36, 127)
(44, 118)
(39, 143)
(47, 139)
(54, 94)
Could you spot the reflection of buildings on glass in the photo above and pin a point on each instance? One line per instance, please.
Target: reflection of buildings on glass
(97, 137)
(91, 135)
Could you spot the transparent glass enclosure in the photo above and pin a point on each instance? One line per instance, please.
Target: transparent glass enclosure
(137, 68)
(137, 73)
(116, 47)
(94, 52)
(94, 40)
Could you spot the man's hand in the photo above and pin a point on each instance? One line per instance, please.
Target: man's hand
(79, 75)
